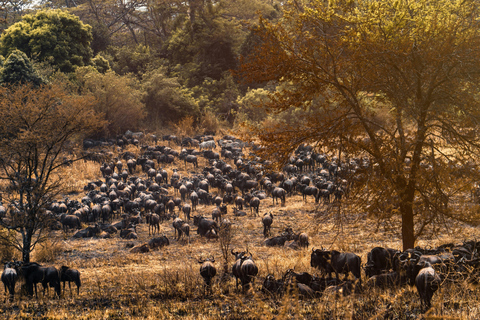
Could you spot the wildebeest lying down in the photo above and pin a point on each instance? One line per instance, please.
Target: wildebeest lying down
(47, 276)
(158, 242)
(87, 232)
(70, 275)
(338, 262)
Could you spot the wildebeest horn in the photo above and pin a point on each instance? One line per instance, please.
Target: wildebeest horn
(201, 261)
(212, 259)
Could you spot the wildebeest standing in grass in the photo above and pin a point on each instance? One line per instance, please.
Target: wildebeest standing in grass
(35, 273)
(207, 271)
(427, 282)
(9, 278)
(338, 262)
(70, 221)
(70, 275)
(254, 205)
(279, 193)
(267, 221)
(154, 223)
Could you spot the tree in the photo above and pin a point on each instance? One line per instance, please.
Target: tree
(165, 99)
(54, 36)
(118, 98)
(18, 69)
(396, 81)
(38, 127)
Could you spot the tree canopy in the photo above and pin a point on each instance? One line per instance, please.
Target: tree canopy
(18, 69)
(54, 36)
(394, 81)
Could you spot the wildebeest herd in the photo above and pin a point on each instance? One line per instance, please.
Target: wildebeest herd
(138, 189)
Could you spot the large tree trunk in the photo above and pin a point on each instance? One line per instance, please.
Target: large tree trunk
(27, 242)
(408, 234)
(408, 226)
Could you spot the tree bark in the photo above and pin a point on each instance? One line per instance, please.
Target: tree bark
(408, 226)
(27, 241)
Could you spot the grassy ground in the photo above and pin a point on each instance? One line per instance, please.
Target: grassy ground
(166, 284)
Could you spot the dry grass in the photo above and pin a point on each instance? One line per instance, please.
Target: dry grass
(166, 284)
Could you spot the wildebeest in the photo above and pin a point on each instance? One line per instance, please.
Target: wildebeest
(335, 261)
(144, 248)
(87, 232)
(191, 159)
(267, 221)
(186, 211)
(35, 273)
(181, 227)
(70, 221)
(70, 275)
(303, 240)
(158, 242)
(207, 271)
(254, 204)
(244, 269)
(279, 193)
(9, 277)
(427, 282)
(380, 260)
(204, 225)
(248, 270)
(272, 285)
(154, 223)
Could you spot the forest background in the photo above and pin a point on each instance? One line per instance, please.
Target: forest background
(150, 64)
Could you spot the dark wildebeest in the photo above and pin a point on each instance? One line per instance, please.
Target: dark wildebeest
(70, 221)
(244, 269)
(158, 242)
(236, 265)
(248, 270)
(338, 262)
(9, 277)
(303, 240)
(194, 200)
(70, 275)
(272, 285)
(207, 271)
(88, 232)
(191, 159)
(267, 221)
(427, 282)
(204, 225)
(279, 193)
(254, 204)
(181, 227)
(216, 214)
(186, 211)
(35, 273)
(380, 260)
(154, 223)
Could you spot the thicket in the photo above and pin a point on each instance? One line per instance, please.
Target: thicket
(149, 69)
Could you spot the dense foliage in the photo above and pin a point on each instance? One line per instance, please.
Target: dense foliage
(54, 36)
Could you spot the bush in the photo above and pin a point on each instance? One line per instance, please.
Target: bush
(7, 250)
(47, 251)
